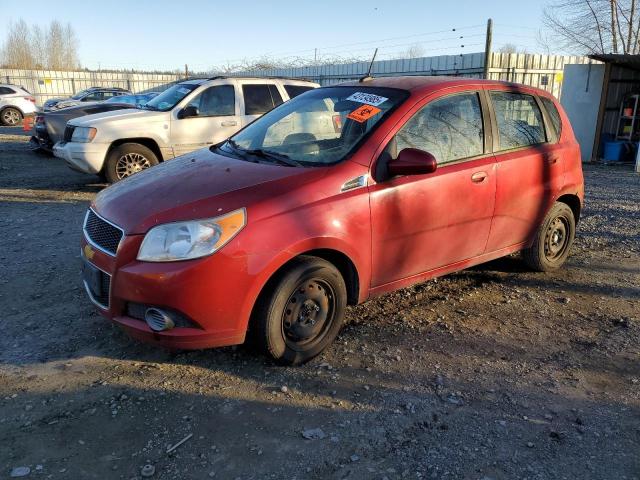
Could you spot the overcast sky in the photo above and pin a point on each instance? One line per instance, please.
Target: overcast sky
(167, 34)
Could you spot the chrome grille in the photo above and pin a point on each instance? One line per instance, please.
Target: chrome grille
(102, 234)
(68, 133)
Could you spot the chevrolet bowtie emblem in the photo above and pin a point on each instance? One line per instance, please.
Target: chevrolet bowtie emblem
(88, 252)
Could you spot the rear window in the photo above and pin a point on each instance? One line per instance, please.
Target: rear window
(295, 90)
(554, 115)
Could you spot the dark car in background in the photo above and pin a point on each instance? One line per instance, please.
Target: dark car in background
(92, 94)
(49, 125)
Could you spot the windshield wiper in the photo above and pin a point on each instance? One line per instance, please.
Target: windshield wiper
(266, 154)
(278, 157)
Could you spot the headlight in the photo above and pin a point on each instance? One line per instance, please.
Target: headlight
(83, 134)
(193, 239)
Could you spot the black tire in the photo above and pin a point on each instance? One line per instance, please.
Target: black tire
(301, 311)
(552, 240)
(126, 160)
(11, 117)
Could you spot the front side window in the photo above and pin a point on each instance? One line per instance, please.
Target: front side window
(321, 127)
(258, 98)
(449, 128)
(519, 120)
(215, 101)
(93, 97)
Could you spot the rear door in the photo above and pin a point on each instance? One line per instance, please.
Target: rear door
(529, 166)
(423, 222)
(217, 119)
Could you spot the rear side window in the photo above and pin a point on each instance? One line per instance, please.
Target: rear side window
(449, 128)
(6, 91)
(295, 90)
(258, 98)
(519, 120)
(554, 115)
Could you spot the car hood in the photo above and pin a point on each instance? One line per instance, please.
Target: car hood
(202, 184)
(129, 116)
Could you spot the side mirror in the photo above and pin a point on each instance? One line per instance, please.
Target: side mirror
(412, 161)
(189, 111)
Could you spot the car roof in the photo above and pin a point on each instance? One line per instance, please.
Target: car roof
(424, 84)
(199, 81)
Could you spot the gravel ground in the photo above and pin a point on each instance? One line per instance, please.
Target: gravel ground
(491, 373)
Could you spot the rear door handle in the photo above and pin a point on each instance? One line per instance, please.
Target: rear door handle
(478, 177)
(229, 123)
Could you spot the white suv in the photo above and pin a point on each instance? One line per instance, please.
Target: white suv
(187, 116)
(15, 104)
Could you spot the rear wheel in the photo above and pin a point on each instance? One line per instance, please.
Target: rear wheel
(302, 311)
(128, 159)
(553, 240)
(11, 117)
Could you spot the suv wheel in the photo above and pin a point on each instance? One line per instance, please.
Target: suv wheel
(553, 239)
(128, 159)
(301, 312)
(11, 117)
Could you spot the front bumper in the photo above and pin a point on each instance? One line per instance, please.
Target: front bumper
(84, 157)
(218, 308)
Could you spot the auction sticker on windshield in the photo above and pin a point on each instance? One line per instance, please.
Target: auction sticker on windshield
(368, 98)
(363, 113)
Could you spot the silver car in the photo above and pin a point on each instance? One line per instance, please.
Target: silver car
(15, 104)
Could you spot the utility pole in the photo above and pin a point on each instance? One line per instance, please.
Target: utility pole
(487, 48)
(186, 71)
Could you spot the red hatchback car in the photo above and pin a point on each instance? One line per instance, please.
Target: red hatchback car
(339, 195)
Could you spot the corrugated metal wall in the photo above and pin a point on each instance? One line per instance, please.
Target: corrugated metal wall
(45, 84)
(542, 71)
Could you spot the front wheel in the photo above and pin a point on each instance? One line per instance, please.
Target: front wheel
(11, 117)
(128, 159)
(553, 240)
(301, 311)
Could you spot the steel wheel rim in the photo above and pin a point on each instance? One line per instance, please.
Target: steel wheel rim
(556, 238)
(308, 313)
(131, 163)
(11, 117)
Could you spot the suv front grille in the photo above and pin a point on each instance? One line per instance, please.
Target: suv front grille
(102, 234)
(68, 133)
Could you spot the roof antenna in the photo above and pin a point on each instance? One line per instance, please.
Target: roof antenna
(368, 76)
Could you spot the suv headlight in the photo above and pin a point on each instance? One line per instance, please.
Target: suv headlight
(83, 134)
(192, 239)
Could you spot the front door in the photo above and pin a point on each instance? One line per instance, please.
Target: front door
(529, 169)
(217, 120)
(422, 222)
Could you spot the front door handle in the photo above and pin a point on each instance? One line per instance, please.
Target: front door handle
(551, 159)
(229, 123)
(478, 177)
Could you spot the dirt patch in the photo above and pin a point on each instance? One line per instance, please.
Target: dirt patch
(491, 373)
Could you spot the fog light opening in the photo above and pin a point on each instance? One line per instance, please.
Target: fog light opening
(158, 320)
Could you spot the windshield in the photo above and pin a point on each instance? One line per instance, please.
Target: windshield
(319, 127)
(171, 97)
(80, 94)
